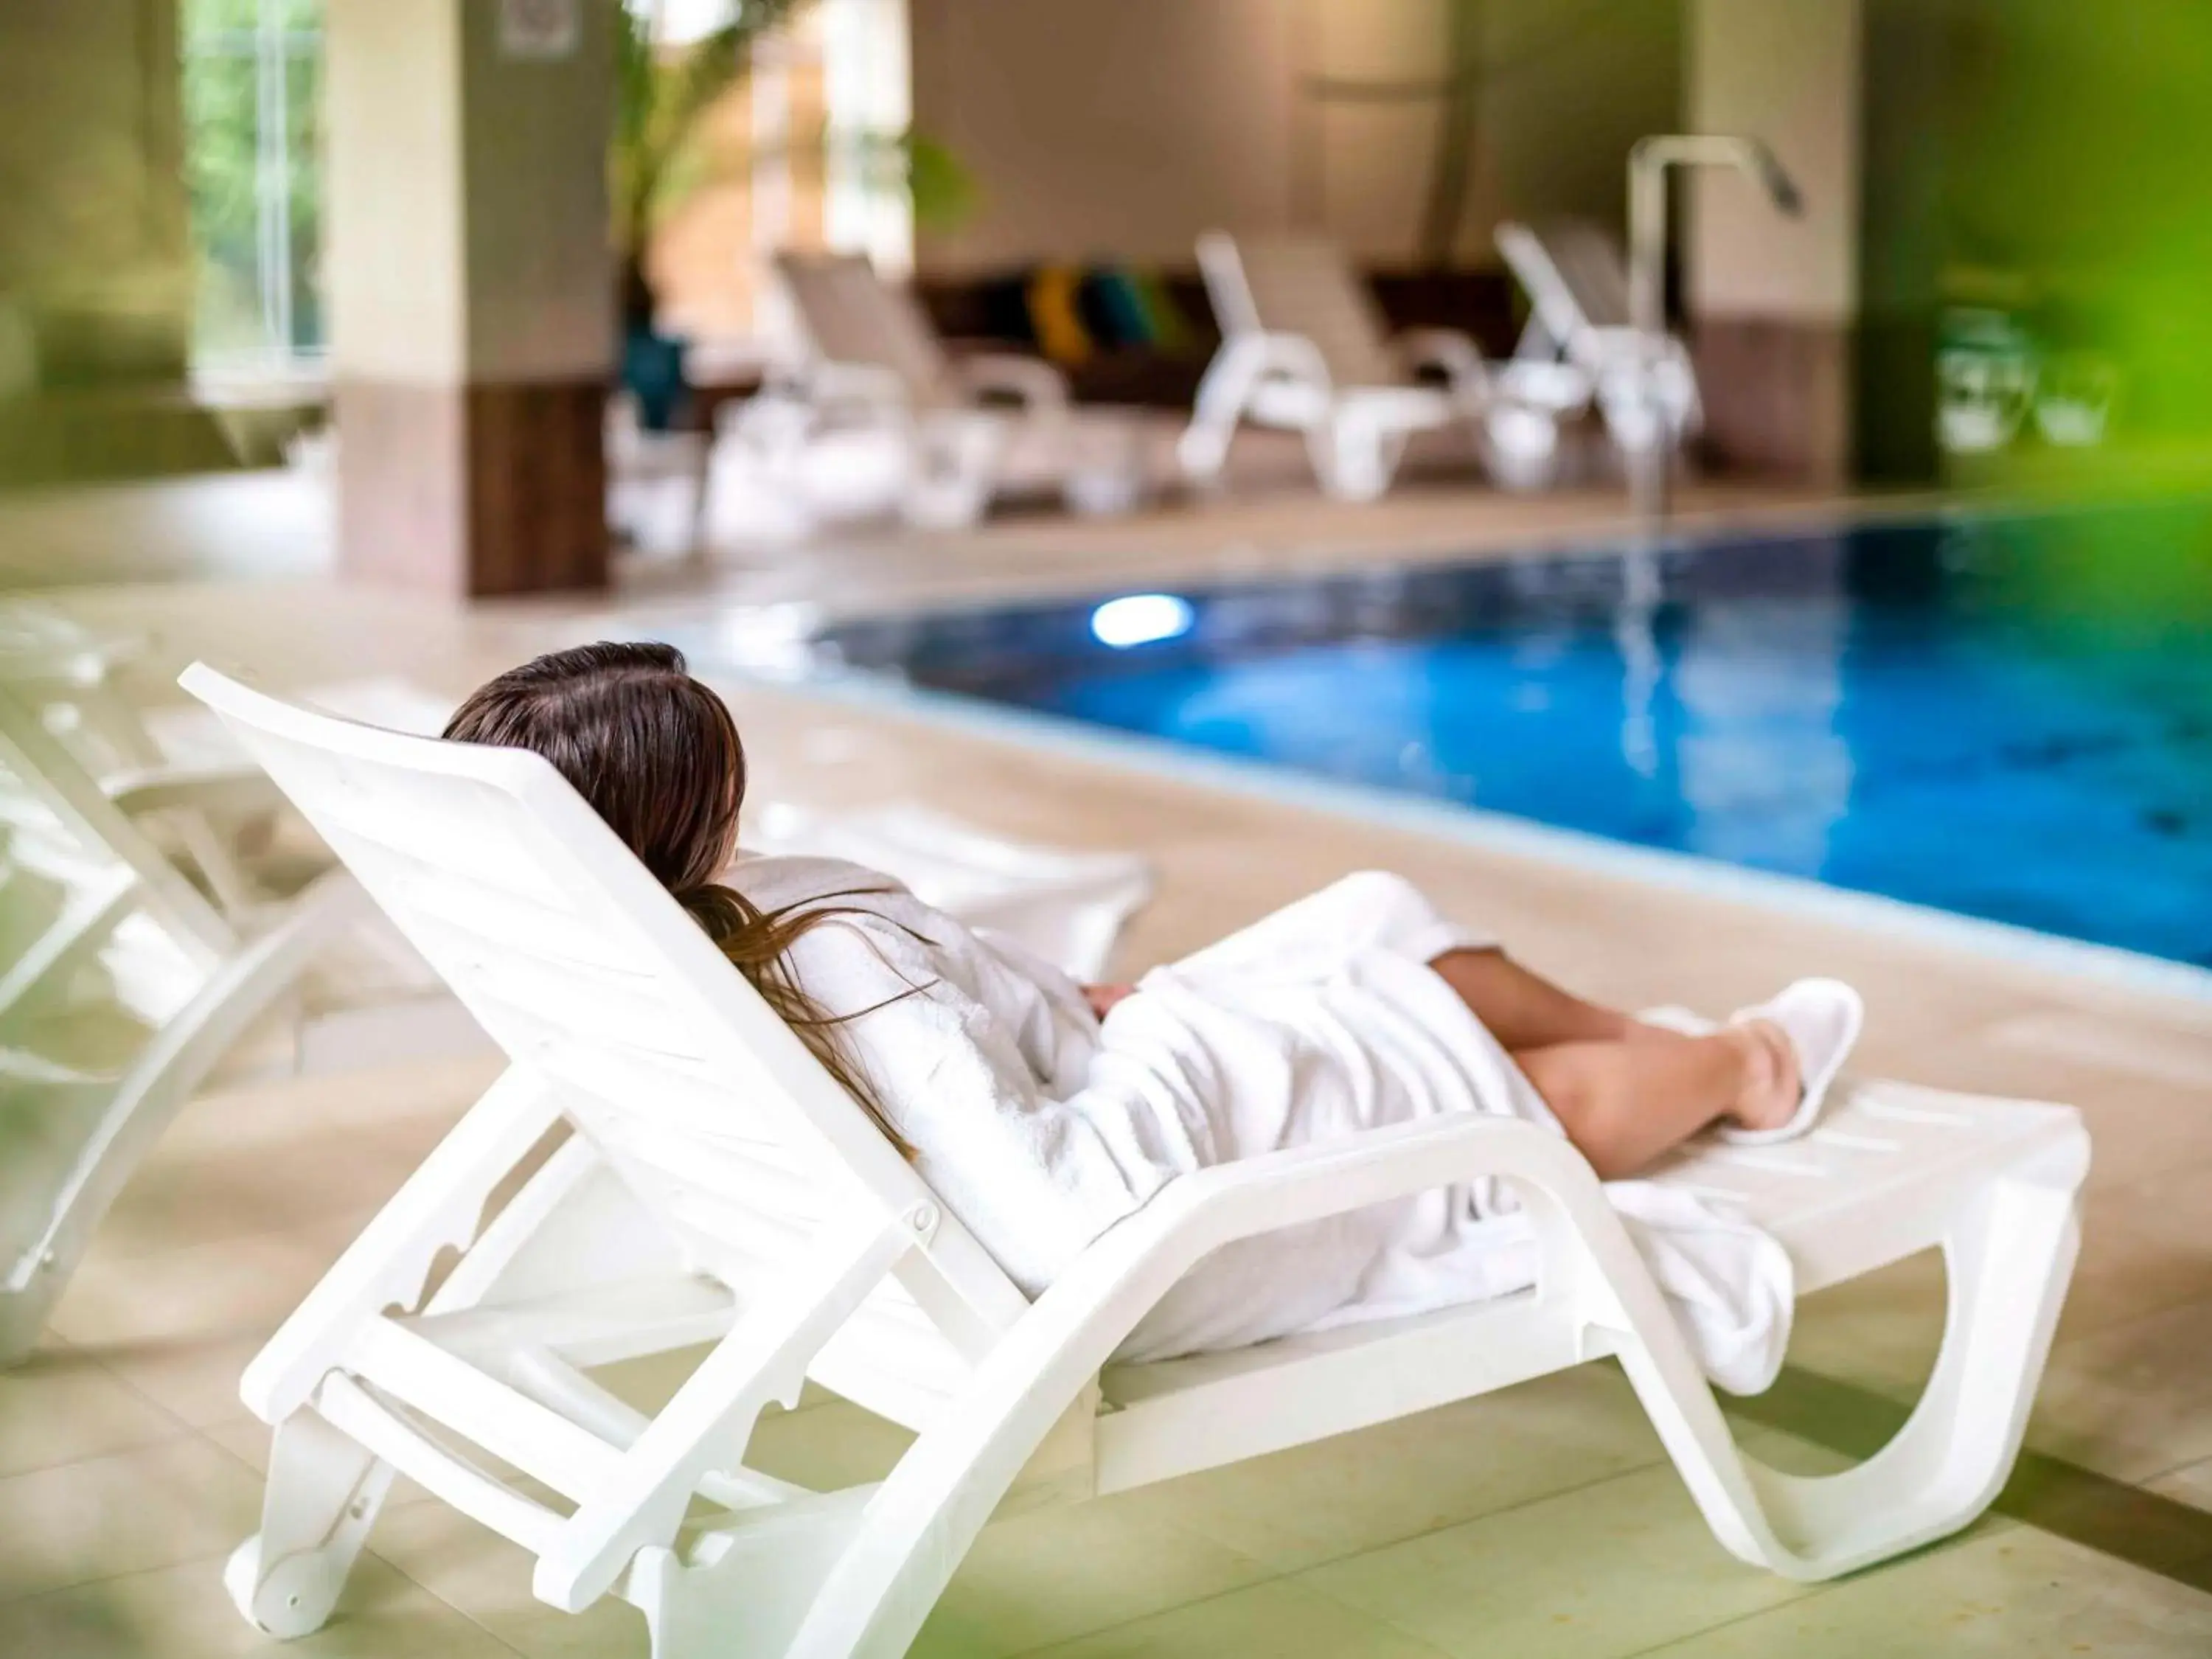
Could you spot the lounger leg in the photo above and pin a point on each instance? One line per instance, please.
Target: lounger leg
(855, 1572)
(747, 1591)
(323, 1496)
(324, 1491)
(1521, 444)
(1203, 449)
(1354, 456)
(2010, 1255)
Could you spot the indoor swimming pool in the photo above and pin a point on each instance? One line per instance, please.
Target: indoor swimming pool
(2008, 718)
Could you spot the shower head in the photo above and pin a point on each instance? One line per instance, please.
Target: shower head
(1781, 188)
(1648, 157)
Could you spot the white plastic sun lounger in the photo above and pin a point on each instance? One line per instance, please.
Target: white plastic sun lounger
(1066, 906)
(795, 1240)
(125, 985)
(1578, 287)
(875, 360)
(87, 892)
(182, 789)
(1304, 348)
(73, 675)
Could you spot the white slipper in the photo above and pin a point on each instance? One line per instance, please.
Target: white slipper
(1821, 1018)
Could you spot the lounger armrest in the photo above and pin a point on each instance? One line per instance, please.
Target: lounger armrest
(1558, 388)
(1030, 381)
(863, 386)
(1291, 356)
(1452, 352)
(1585, 1248)
(1330, 1177)
(1133, 1264)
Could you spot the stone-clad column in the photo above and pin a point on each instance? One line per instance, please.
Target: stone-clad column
(470, 289)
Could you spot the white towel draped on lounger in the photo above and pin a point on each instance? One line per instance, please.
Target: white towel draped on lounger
(1041, 1127)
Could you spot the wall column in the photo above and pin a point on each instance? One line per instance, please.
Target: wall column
(471, 287)
(1774, 301)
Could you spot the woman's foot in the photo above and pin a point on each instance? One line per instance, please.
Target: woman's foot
(1772, 1086)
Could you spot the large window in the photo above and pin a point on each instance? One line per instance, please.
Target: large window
(252, 122)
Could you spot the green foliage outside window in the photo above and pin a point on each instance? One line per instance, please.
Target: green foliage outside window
(241, 261)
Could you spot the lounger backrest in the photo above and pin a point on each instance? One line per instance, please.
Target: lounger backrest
(50, 661)
(580, 965)
(851, 315)
(46, 790)
(1301, 286)
(1574, 274)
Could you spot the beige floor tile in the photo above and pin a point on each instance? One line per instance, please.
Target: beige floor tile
(59, 1406)
(246, 1437)
(183, 1613)
(2145, 1247)
(185, 1199)
(2014, 1594)
(2131, 1044)
(1355, 1492)
(1051, 1575)
(2132, 1402)
(408, 1098)
(1612, 1568)
(128, 1512)
(2191, 1485)
(487, 1579)
(1880, 1331)
(180, 1327)
(827, 1446)
(2127, 1397)
(1278, 1620)
(320, 1153)
(649, 1382)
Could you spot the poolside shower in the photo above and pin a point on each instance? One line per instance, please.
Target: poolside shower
(1650, 463)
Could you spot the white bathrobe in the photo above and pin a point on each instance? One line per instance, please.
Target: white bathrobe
(1039, 1126)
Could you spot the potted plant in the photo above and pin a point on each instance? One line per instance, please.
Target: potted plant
(662, 92)
(658, 158)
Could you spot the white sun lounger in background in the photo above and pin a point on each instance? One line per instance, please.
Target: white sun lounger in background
(1576, 281)
(141, 947)
(874, 363)
(1066, 906)
(88, 1079)
(720, 1187)
(217, 804)
(1304, 348)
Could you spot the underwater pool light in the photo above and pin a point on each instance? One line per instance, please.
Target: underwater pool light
(1140, 619)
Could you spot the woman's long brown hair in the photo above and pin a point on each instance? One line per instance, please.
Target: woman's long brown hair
(656, 755)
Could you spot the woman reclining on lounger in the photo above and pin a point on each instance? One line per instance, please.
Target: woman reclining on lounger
(1043, 1111)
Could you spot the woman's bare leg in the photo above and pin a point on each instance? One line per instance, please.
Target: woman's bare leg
(1524, 1010)
(1625, 1103)
(1624, 1091)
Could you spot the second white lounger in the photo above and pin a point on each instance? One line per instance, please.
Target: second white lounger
(778, 1223)
(1304, 347)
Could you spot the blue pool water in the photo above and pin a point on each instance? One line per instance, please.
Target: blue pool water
(2009, 718)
